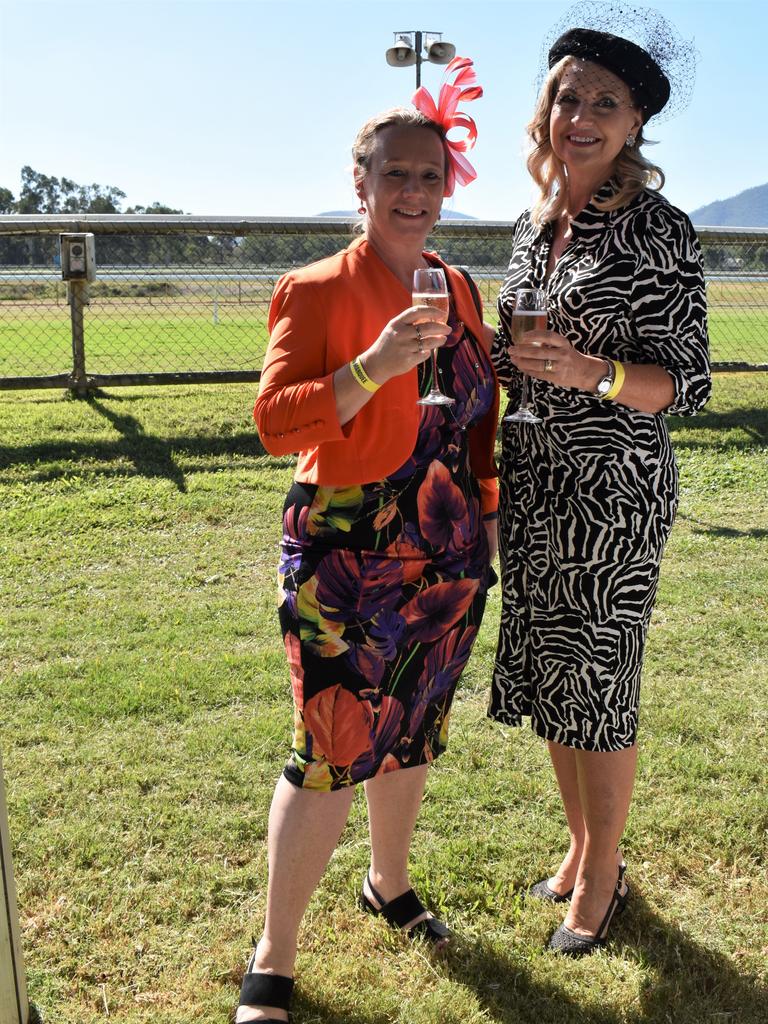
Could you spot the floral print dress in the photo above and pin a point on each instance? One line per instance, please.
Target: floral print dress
(381, 591)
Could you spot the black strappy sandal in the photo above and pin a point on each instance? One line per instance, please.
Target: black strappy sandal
(543, 891)
(261, 989)
(571, 943)
(399, 911)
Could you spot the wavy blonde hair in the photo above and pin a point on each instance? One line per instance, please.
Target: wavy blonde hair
(632, 172)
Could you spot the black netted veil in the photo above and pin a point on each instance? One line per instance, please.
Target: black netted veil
(643, 26)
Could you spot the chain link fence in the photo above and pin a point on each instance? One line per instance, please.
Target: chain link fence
(179, 299)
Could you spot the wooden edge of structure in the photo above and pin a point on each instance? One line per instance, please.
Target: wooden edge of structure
(14, 1003)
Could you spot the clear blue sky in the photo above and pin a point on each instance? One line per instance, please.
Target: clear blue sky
(249, 107)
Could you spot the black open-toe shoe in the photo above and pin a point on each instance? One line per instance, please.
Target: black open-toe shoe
(571, 943)
(261, 989)
(399, 911)
(543, 891)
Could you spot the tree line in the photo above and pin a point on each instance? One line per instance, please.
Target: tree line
(46, 194)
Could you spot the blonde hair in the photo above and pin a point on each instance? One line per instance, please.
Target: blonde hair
(632, 172)
(406, 117)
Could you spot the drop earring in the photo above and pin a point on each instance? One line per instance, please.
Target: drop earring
(361, 209)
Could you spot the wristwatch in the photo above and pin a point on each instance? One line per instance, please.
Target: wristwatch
(606, 382)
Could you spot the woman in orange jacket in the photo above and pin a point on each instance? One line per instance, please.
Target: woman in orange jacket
(388, 531)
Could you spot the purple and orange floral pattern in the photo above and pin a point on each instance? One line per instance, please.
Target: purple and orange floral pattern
(381, 590)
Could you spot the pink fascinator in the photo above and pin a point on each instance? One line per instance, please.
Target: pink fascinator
(459, 169)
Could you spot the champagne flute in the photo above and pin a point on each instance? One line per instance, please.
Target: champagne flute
(430, 289)
(529, 314)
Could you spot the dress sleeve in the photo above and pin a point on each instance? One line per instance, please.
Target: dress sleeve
(296, 407)
(669, 307)
(489, 497)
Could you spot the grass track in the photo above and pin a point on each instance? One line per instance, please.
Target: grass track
(145, 712)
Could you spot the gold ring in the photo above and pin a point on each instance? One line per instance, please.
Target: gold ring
(548, 366)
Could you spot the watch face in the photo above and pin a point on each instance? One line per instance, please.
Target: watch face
(605, 383)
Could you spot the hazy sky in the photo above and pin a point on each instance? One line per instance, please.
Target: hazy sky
(249, 107)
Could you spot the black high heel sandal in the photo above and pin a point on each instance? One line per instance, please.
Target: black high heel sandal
(570, 943)
(399, 911)
(262, 989)
(543, 891)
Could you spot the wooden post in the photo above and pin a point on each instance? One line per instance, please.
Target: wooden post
(78, 296)
(14, 1005)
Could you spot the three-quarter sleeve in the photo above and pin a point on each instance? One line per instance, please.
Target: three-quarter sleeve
(296, 405)
(669, 306)
(489, 497)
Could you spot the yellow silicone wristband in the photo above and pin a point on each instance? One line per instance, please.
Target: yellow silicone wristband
(362, 378)
(618, 380)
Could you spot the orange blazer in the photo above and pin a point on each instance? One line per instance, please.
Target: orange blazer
(320, 318)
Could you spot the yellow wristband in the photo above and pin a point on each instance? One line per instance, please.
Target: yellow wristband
(362, 378)
(618, 380)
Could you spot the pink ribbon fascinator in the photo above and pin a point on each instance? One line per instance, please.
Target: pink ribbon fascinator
(459, 169)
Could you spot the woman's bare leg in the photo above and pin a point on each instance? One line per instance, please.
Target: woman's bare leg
(564, 763)
(605, 783)
(394, 800)
(304, 828)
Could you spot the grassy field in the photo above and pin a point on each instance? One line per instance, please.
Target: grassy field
(190, 332)
(145, 715)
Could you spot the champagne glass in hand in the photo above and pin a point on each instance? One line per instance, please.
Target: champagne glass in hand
(430, 289)
(529, 314)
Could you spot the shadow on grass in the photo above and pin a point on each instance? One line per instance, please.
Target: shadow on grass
(691, 981)
(684, 982)
(715, 530)
(150, 454)
(751, 421)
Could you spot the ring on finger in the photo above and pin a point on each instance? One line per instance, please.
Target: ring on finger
(420, 340)
(548, 366)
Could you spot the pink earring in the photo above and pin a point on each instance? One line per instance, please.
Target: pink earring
(361, 209)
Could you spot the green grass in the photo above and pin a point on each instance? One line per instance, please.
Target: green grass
(146, 714)
(132, 336)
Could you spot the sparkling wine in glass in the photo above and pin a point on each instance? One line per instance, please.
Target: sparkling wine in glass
(430, 289)
(529, 314)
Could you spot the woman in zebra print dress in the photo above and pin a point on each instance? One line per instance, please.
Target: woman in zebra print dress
(588, 495)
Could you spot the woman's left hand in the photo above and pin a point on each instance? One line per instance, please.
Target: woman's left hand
(549, 356)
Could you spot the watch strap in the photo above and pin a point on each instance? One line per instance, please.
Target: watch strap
(619, 375)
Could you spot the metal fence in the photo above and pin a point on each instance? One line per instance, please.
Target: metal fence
(179, 299)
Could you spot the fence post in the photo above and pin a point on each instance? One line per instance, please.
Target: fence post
(77, 298)
(14, 1004)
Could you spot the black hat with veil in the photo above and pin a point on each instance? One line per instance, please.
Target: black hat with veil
(637, 44)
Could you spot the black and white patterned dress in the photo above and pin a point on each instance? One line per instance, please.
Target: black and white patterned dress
(588, 496)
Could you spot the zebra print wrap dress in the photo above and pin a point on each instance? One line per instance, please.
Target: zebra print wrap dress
(588, 497)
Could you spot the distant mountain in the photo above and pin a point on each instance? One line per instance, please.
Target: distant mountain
(351, 214)
(748, 209)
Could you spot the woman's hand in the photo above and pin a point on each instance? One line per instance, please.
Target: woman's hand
(406, 341)
(549, 356)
